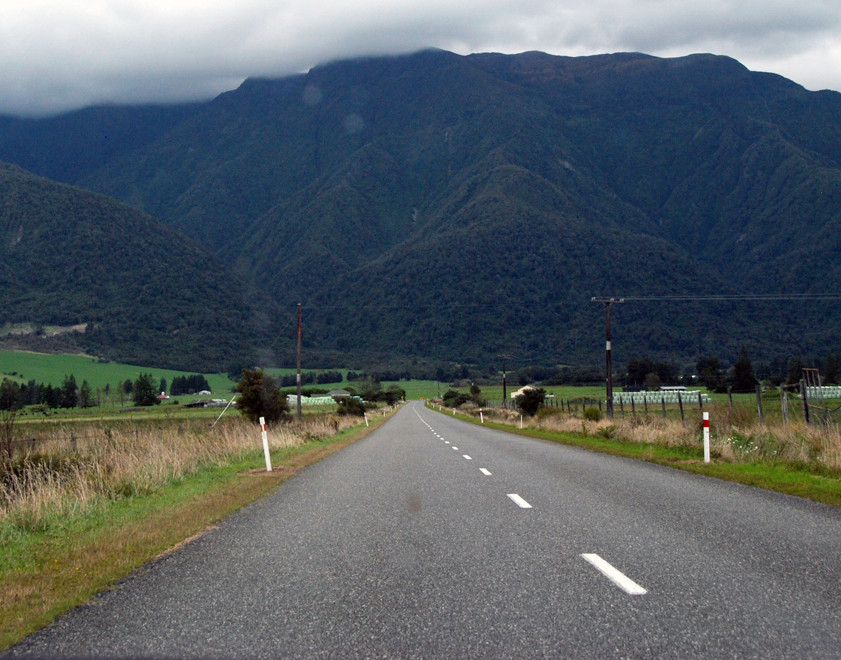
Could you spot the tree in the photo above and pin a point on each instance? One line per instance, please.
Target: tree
(454, 398)
(831, 369)
(652, 382)
(85, 395)
(261, 397)
(530, 400)
(9, 395)
(743, 378)
(393, 394)
(162, 386)
(69, 392)
(710, 373)
(351, 406)
(369, 389)
(143, 391)
(476, 396)
(794, 370)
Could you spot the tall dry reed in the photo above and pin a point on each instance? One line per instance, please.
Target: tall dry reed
(735, 435)
(67, 471)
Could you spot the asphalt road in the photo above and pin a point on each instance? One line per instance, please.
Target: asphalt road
(438, 539)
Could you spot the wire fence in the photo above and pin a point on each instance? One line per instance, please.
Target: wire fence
(792, 404)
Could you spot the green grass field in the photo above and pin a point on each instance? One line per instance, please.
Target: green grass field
(23, 366)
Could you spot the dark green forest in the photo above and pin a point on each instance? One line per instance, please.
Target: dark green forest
(444, 209)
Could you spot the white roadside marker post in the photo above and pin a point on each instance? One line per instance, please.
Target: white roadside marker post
(265, 444)
(481, 416)
(706, 437)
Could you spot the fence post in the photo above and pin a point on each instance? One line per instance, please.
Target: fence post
(700, 401)
(680, 403)
(759, 401)
(730, 396)
(645, 402)
(784, 404)
(805, 398)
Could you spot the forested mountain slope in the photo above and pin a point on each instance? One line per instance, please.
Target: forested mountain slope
(461, 207)
(136, 288)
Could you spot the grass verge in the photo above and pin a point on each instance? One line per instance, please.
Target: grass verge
(46, 573)
(809, 482)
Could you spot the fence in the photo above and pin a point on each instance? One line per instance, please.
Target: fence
(820, 406)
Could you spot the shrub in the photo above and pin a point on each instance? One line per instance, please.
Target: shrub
(592, 414)
(530, 400)
(454, 398)
(351, 406)
(261, 397)
(608, 432)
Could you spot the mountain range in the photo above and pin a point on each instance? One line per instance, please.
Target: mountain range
(453, 208)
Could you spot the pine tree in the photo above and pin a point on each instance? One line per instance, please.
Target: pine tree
(69, 392)
(85, 392)
(143, 391)
(743, 379)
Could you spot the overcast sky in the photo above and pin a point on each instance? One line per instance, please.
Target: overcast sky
(64, 54)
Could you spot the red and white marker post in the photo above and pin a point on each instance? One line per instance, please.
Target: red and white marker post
(706, 437)
(265, 444)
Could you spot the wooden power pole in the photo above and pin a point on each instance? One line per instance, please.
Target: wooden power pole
(607, 302)
(298, 378)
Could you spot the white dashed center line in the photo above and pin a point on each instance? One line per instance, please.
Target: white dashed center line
(467, 457)
(487, 473)
(618, 578)
(519, 501)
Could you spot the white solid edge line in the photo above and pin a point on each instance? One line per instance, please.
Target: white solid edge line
(485, 471)
(466, 457)
(618, 578)
(519, 501)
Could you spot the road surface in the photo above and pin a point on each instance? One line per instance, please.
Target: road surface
(432, 538)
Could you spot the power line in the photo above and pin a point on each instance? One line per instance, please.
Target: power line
(759, 297)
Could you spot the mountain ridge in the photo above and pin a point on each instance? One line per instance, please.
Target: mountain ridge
(359, 178)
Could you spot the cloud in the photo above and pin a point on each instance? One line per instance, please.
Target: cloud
(61, 54)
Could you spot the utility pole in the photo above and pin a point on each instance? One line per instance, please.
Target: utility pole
(298, 379)
(607, 302)
(504, 390)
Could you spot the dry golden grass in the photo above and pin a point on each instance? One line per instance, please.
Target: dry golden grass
(735, 435)
(65, 472)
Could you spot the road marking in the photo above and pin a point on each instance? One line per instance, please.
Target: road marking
(485, 472)
(618, 578)
(456, 448)
(467, 457)
(519, 501)
(446, 442)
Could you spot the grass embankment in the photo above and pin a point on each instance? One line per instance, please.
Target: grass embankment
(795, 459)
(88, 516)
